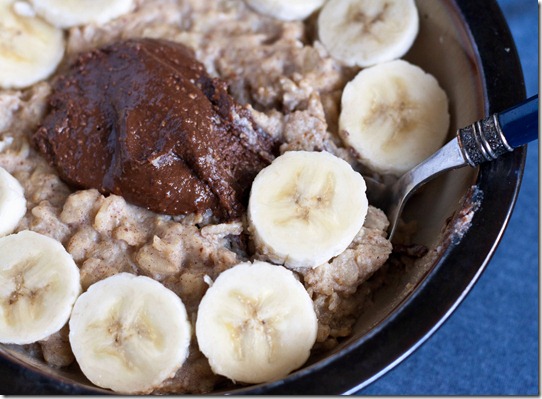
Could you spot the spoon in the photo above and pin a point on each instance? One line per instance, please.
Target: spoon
(483, 141)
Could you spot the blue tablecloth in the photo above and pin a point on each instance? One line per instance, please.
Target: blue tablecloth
(489, 346)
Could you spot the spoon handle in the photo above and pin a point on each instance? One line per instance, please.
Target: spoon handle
(519, 124)
(499, 133)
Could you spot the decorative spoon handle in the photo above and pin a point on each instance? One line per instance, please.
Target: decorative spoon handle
(499, 133)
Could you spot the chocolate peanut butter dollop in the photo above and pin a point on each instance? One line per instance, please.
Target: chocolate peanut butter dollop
(143, 119)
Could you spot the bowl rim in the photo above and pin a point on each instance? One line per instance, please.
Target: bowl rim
(428, 307)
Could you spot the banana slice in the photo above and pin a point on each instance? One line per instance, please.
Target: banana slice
(30, 48)
(305, 208)
(68, 13)
(39, 283)
(129, 333)
(12, 202)
(368, 32)
(256, 323)
(286, 10)
(394, 115)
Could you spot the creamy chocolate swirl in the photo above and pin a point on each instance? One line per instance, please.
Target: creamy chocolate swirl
(143, 119)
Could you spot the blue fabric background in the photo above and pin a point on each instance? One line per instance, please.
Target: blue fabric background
(489, 346)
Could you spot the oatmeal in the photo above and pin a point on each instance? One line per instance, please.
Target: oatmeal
(288, 86)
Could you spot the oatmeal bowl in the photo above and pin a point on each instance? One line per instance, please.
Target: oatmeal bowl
(183, 189)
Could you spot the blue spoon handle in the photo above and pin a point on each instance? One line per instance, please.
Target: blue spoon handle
(519, 124)
(500, 133)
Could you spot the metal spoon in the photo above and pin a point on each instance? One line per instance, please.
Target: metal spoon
(483, 141)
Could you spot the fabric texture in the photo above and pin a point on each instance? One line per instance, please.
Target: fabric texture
(489, 345)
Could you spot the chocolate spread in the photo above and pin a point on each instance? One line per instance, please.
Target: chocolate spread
(142, 119)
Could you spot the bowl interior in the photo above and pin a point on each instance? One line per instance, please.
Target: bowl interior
(443, 48)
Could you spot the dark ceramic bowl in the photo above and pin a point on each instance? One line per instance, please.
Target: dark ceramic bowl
(467, 46)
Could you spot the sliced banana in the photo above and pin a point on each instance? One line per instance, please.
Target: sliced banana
(129, 333)
(39, 283)
(394, 115)
(256, 323)
(286, 10)
(68, 13)
(305, 208)
(368, 32)
(12, 202)
(30, 48)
